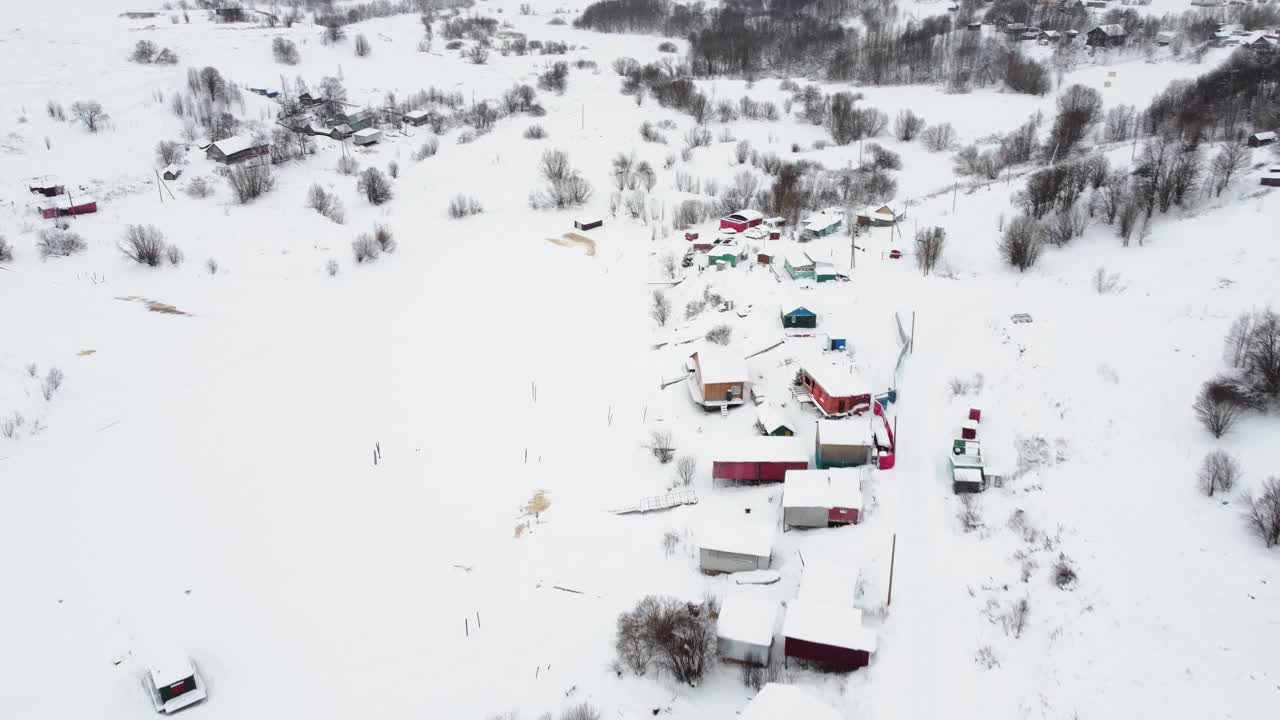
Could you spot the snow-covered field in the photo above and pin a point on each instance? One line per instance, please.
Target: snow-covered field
(205, 479)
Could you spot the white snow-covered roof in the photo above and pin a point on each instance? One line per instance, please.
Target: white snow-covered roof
(749, 617)
(840, 487)
(171, 169)
(771, 418)
(1112, 29)
(417, 114)
(741, 537)
(721, 366)
(368, 132)
(821, 221)
(777, 701)
(761, 448)
(798, 258)
(844, 432)
(824, 268)
(828, 623)
(169, 668)
(233, 145)
(745, 216)
(1268, 135)
(66, 201)
(967, 474)
(836, 380)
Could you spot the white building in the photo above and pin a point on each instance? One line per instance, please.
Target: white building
(746, 626)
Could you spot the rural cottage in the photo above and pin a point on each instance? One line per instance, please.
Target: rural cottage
(717, 378)
(822, 498)
(843, 443)
(827, 633)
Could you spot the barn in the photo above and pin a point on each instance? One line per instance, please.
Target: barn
(798, 264)
(827, 633)
(726, 254)
(771, 421)
(45, 185)
(879, 216)
(417, 117)
(835, 390)
(171, 172)
(717, 377)
(1111, 35)
(63, 205)
(1262, 138)
(739, 546)
(820, 225)
(759, 459)
(741, 220)
(822, 498)
(777, 700)
(366, 136)
(235, 150)
(843, 443)
(1272, 178)
(800, 317)
(360, 119)
(745, 628)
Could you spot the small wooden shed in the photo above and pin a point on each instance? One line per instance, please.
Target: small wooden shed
(235, 150)
(746, 626)
(46, 185)
(366, 136)
(171, 172)
(587, 223)
(717, 377)
(173, 683)
(828, 633)
(759, 459)
(67, 204)
(1261, 139)
(843, 443)
(1110, 35)
(1272, 178)
(837, 391)
(772, 422)
(799, 317)
(737, 546)
(822, 498)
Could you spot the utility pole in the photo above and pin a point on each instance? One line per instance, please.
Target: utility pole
(893, 556)
(955, 190)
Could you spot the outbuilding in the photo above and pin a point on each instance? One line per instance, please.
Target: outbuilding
(774, 226)
(741, 220)
(822, 498)
(1110, 35)
(798, 264)
(1261, 139)
(367, 136)
(1048, 37)
(799, 317)
(879, 216)
(777, 700)
(827, 633)
(843, 443)
(1272, 178)
(725, 254)
(173, 684)
(820, 225)
(67, 204)
(171, 172)
(837, 391)
(771, 421)
(235, 150)
(417, 117)
(717, 377)
(739, 546)
(825, 272)
(46, 185)
(745, 628)
(587, 223)
(759, 459)
(360, 119)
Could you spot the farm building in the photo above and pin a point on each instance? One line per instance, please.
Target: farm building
(1262, 43)
(836, 391)
(173, 684)
(171, 172)
(360, 119)
(341, 132)
(772, 421)
(774, 226)
(777, 700)
(1262, 139)
(798, 264)
(741, 220)
(800, 317)
(759, 459)
(66, 204)
(235, 150)
(827, 633)
(1272, 178)
(306, 100)
(879, 216)
(417, 117)
(367, 136)
(726, 254)
(1048, 37)
(843, 443)
(822, 498)
(825, 272)
(717, 377)
(737, 546)
(1106, 36)
(585, 224)
(745, 628)
(45, 185)
(820, 225)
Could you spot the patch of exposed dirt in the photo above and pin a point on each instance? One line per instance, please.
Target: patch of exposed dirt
(154, 305)
(537, 504)
(575, 240)
(86, 352)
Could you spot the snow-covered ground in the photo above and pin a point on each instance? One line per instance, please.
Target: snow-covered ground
(206, 480)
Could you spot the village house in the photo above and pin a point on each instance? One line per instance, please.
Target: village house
(360, 119)
(717, 377)
(759, 459)
(822, 498)
(836, 391)
(1106, 36)
(171, 172)
(367, 136)
(417, 117)
(725, 254)
(1261, 139)
(799, 318)
(843, 443)
(797, 263)
(66, 204)
(746, 626)
(820, 225)
(236, 150)
(735, 546)
(1049, 37)
(879, 216)
(741, 220)
(777, 700)
(828, 633)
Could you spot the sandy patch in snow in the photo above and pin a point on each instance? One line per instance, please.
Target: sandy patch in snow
(574, 240)
(152, 305)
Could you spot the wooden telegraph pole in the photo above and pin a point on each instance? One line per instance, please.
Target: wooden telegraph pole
(893, 554)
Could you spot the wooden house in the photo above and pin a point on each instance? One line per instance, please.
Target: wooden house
(836, 391)
(1272, 177)
(171, 172)
(879, 216)
(737, 546)
(843, 443)
(1111, 35)
(772, 422)
(236, 150)
(587, 223)
(822, 498)
(777, 700)
(828, 633)
(717, 377)
(1261, 139)
(45, 185)
(799, 317)
(360, 119)
(1049, 37)
(741, 220)
(341, 131)
(759, 459)
(746, 626)
(798, 264)
(366, 136)
(67, 204)
(820, 225)
(307, 100)
(725, 254)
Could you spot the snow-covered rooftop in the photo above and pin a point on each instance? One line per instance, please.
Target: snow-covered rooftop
(720, 366)
(233, 145)
(771, 417)
(368, 132)
(828, 623)
(844, 432)
(749, 617)
(417, 114)
(740, 536)
(758, 448)
(821, 221)
(169, 668)
(836, 380)
(840, 487)
(797, 258)
(746, 216)
(967, 475)
(777, 701)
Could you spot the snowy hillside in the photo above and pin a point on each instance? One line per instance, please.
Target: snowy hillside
(386, 488)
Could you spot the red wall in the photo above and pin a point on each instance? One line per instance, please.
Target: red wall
(754, 471)
(830, 404)
(835, 657)
(848, 516)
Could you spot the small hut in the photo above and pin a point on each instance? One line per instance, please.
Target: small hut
(798, 264)
(717, 377)
(799, 317)
(587, 223)
(366, 136)
(171, 172)
(759, 459)
(735, 547)
(772, 422)
(827, 633)
(837, 391)
(822, 498)
(235, 150)
(173, 684)
(843, 443)
(745, 628)
(1261, 139)
(820, 225)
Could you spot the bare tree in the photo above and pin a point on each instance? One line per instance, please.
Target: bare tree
(938, 138)
(361, 46)
(669, 635)
(1021, 242)
(56, 242)
(662, 446)
(1262, 512)
(929, 244)
(143, 244)
(250, 181)
(720, 334)
(1218, 471)
(364, 248)
(554, 165)
(1238, 338)
(168, 152)
(1016, 617)
(375, 186)
(1232, 158)
(90, 113)
(477, 54)
(143, 51)
(907, 125)
(385, 239)
(670, 265)
(686, 469)
(660, 308)
(1216, 409)
(284, 51)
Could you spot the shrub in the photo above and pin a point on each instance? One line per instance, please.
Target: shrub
(668, 635)
(393, 169)
(660, 308)
(90, 113)
(478, 54)
(364, 249)
(1021, 242)
(284, 51)
(650, 134)
(720, 335)
(453, 45)
(347, 165)
(929, 244)
(168, 152)
(584, 710)
(883, 158)
(143, 244)
(56, 242)
(667, 47)
(556, 78)
(361, 46)
(907, 125)
(938, 138)
(1064, 572)
(174, 254)
(1218, 471)
(212, 266)
(384, 238)
(661, 445)
(6, 250)
(534, 132)
(375, 186)
(52, 382)
(463, 206)
(1217, 408)
(250, 181)
(143, 51)
(1262, 512)
(426, 149)
(686, 469)
(331, 267)
(199, 188)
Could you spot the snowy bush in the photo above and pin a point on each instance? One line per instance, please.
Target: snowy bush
(660, 308)
(1021, 242)
(1218, 471)
(250, 181)
(364, 249)
(668, 635)
(686, 469)
(907, 125)
(374, 185)
(6, 250)
(938, 138)
(667, 46)
(168, 152)
(384, 238)
(556, 78)
(650, 134)
(326, 203)
(581, 711)
(143, 51)
(478, 54)
(143, 244)
(361, 47)
(1064, 572)
(199, 188)
(284, 51)
(1218, 407)
(1262, 512)
(929, 244)
(463, 206)
(393, 169)
(57, 242)
(347, 165)
(1016, 617)
(969, 514)
(534, 132)
(90, 114)
(660, 444)
(52, 383)
(720, 335)
(174, 255)
(426, 149)
(331, 267)
(211, 265)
